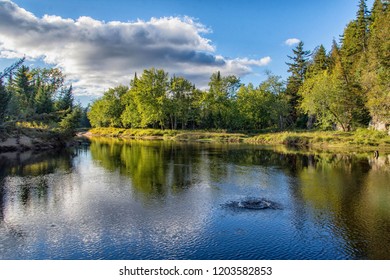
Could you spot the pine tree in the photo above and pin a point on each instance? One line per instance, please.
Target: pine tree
(24, 95)
(65, 100)
(362, 22)
(43, 101)
(4, 100)
(320, 62)
(376, 73)
(297, 68)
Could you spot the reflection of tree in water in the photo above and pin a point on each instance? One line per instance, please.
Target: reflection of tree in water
(2, 181)
(155, 167)
(349, 192)
(30, 173)
(348, 188)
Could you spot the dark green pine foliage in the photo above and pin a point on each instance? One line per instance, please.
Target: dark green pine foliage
(24, 91)
(65, 99)
(297, 67)
(4, 100)
(319, 63)
(376, 73)
(362, 22)
(43, 98)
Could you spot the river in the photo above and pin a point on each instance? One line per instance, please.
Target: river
(134, 199)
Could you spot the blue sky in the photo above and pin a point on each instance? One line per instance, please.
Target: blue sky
(190, 38)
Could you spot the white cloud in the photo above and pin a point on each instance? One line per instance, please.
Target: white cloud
(292, 41)
(97, 55)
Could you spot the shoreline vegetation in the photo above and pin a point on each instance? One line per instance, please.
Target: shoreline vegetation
(38, 140)
(362, 139)
(22, 138)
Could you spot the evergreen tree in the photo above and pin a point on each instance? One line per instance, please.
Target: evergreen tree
(319, 63)
(4, 100)
(362, 22)
(65, 99)
(297, 68)
(23, 91)
(43, 101)
(376, 73)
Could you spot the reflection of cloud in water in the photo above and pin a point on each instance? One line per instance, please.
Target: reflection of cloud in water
(95, 213)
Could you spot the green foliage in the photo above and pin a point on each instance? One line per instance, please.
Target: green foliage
(327, 96)
(319, 63)
(107, 111)
(72, 120)
(4, 99)
(297, 67)
(364, 138)
(218, 103)
(65, 99)
(376, 72)
(151, 97)
(343, 89)
(32, 96)
(43, 101)
(262, 107)
(352, 86)
(180, 100)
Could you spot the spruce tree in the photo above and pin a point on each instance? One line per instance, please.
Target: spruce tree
(297, 68)
(320, 62)
(4, 99)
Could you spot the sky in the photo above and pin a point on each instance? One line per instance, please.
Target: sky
(99, 44)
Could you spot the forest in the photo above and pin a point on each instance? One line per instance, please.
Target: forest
(344, 88)
(37, 109)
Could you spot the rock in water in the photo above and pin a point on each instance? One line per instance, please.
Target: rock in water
(252, 203)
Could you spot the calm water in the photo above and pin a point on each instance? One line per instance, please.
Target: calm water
(161, 200)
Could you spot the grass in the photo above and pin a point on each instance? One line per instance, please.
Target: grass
(325, 139)
(177, 135)
(369, 139)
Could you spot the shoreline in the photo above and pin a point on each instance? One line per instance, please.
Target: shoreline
(363, 139)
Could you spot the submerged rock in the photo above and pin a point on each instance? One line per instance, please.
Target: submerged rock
(252, 203)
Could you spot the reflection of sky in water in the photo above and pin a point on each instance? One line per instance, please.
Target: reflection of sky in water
(91, 207)
(153, 201)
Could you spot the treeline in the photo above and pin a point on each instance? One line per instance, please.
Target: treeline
(38, 96)
(344, 88)
(349, 86)
(155, 100)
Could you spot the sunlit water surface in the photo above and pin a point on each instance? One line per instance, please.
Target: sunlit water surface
(163, 200)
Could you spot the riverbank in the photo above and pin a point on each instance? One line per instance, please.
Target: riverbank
(159, 134)
(24, 139)
(359, 139)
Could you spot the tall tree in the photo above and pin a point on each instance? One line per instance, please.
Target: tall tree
(43, 100)
(65, 99)
(218, 102)
(319, 63)
(261, 107)
(4, 99)
(376, 73)
(362, 22)
(297, 68)
(180, 100)
(23, 91)
(151, 97)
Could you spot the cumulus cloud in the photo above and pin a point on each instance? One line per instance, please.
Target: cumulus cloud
(292, 41)
(96, 55)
